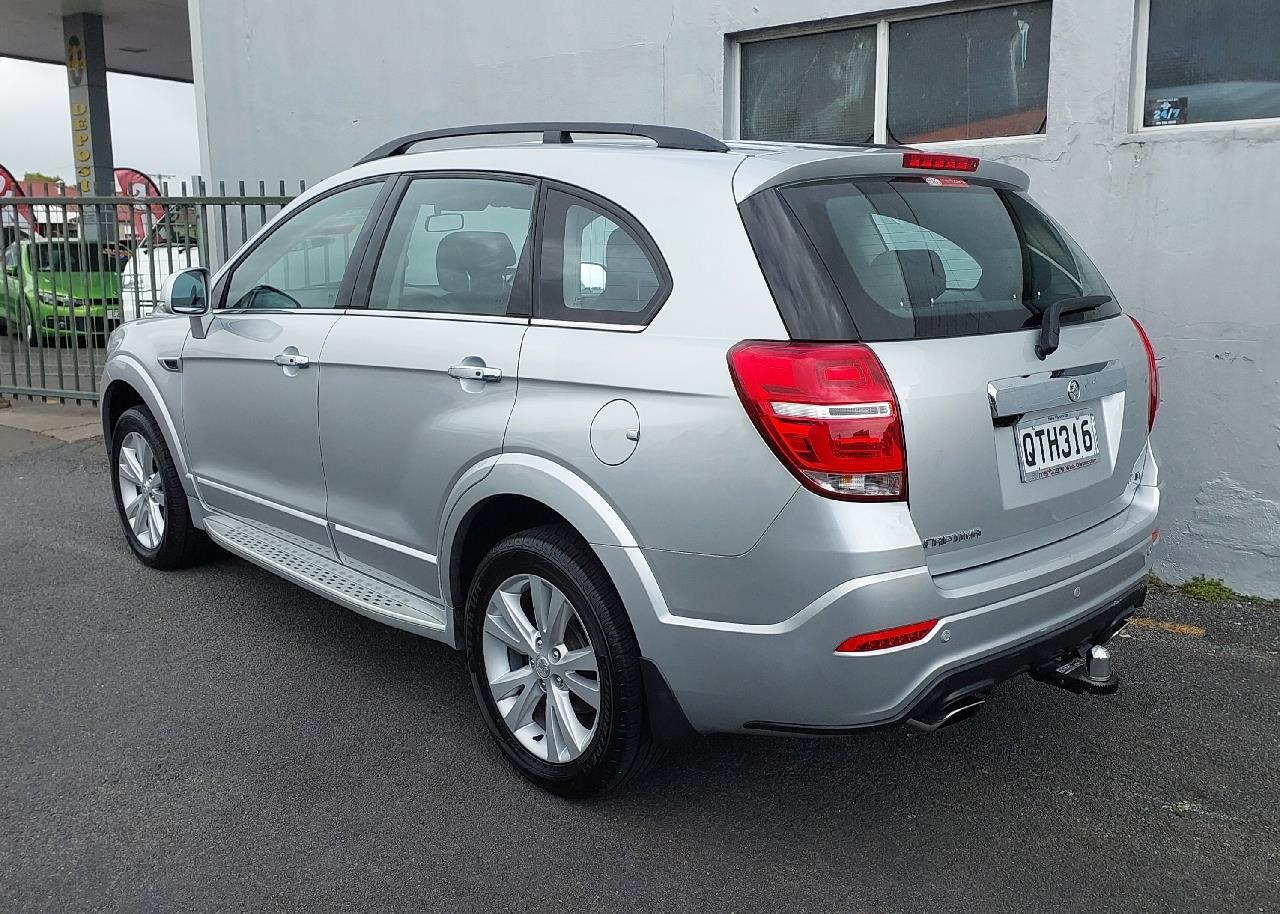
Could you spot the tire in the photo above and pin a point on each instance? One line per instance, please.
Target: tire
(178, 543)
(620, 745)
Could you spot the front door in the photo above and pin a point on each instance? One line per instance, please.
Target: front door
(250, 387)
(417, 388)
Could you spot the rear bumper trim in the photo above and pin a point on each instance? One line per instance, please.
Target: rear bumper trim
(980, 676)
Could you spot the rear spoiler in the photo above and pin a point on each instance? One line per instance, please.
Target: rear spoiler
(757, 173)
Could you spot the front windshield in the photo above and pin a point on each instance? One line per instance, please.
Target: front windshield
(71, 256)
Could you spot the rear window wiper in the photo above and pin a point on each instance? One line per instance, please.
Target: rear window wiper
(1051, 321)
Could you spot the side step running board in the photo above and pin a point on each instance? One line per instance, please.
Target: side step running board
(332, 580)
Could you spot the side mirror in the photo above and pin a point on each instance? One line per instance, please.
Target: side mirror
(187, 292)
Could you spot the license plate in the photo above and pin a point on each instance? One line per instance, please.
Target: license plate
(1056, 444)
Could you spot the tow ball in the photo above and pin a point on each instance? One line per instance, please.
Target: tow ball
(1090, 671)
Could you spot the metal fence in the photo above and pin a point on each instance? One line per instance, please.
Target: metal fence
(75, 267)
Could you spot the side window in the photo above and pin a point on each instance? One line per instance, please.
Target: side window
(302, 262)
(595, 267)
(455, 246)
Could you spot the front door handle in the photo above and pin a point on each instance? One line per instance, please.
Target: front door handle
(292, 360)
(475, 373)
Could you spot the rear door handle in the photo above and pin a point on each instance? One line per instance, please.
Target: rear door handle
(475, 373)
(292, 360)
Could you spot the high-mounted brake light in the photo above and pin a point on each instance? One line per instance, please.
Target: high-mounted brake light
(939, 161)
(1153, 375)
(829, 413)
(887, 638)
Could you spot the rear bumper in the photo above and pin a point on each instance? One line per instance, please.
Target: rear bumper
(995, 622)
(977, 678)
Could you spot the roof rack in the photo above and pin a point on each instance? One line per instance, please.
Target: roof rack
(558, 132)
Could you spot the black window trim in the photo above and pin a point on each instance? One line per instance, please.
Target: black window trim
(353, 261)
(519, 305)
(602, 320)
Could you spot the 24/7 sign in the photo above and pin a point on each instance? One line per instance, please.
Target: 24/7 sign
(1165, 112)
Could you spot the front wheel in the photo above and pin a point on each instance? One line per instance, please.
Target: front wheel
(149, 496)
(555, 664)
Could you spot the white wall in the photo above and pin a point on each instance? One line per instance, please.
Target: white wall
(1185, 224)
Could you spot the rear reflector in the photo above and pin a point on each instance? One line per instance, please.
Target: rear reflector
(938, 161)
(829, 413)
(889, 637)
(1153, 375)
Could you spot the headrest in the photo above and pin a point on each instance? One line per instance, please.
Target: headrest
(921, 271)
(463, 258)
(622, 253)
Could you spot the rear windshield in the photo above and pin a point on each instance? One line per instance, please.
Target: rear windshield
(916, 257)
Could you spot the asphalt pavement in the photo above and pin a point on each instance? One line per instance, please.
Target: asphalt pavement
(220, 740)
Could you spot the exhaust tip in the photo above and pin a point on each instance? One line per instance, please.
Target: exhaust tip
(947, 715)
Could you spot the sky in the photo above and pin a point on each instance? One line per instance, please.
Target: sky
(153, 122)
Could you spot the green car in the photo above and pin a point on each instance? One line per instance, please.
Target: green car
(59, 288)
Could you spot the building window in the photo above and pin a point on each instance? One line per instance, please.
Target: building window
(957, 76)
(970, 75)
(1210, 62)
(810, 88)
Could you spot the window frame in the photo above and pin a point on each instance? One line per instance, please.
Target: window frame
(354, 261)
(1138, 95)
(881, 21)
(519, 305)
(629, 321)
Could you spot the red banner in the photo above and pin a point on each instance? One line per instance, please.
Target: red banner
(19, 216)
(133, 183)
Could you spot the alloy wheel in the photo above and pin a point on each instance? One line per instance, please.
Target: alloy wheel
(541, 668)
(141, 490)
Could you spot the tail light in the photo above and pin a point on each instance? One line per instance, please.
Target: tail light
(829, 413)
(887, 638)
(1153, 375)
(939, 161)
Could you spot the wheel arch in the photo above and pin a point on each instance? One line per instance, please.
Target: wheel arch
(515, 492)
(125, 385)
(518, 491)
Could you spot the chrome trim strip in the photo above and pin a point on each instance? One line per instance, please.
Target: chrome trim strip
(588, 325)
(275, 506)
(250, 312)
(1048, 390)
(385, 544)
(440, 316)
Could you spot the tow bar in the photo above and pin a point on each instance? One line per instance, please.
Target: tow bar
(1090, 672)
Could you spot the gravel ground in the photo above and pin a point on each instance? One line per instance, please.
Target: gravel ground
(218, 740)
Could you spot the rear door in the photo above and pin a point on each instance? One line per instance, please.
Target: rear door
(947, 280)
(418, 386)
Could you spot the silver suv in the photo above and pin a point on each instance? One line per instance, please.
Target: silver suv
(697, 438)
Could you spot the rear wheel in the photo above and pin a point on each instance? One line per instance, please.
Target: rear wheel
(149, 496)
(555, 664)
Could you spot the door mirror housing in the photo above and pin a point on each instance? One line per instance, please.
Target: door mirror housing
(187, 292)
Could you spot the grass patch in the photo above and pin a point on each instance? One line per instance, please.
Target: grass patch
(1207, 590)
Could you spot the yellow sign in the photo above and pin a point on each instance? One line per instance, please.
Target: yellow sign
(75, 61)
